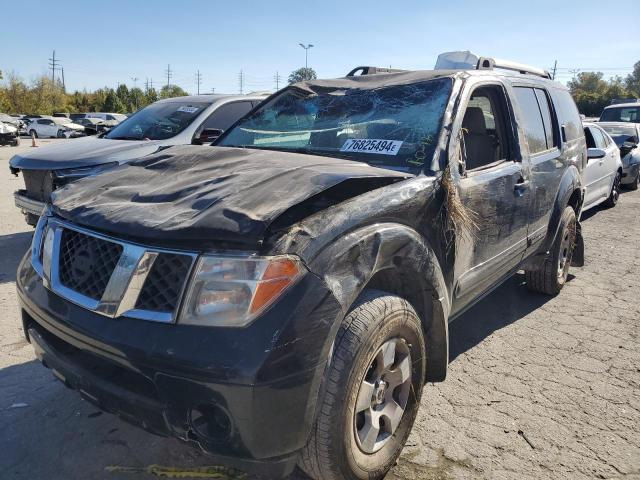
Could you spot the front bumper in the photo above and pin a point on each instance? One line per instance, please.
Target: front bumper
(27, 204)
(8, 138)
(246, 396)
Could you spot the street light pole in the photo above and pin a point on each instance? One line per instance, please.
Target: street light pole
(306, 53)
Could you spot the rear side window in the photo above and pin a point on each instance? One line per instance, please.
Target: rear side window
(532, 119)
(598, 137)
(547, 117)
(568, 115)
(226, 115)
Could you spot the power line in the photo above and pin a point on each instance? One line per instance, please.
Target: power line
(277, 78)
(169, 75)
(198, 80)
(54, 65)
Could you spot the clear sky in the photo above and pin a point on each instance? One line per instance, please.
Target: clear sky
(105, 42)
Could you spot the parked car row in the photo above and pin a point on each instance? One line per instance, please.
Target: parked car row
(176, 121)
(281, 297)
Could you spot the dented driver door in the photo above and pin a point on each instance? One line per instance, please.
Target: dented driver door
(494, 190)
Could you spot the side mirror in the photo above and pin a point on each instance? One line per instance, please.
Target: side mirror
(595, 153)
(208, 135)
(629, 145)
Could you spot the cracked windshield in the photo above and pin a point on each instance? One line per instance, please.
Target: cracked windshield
(391, 127)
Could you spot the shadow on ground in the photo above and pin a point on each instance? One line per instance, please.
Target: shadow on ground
(504, 306)
(50, 432)
(14, 245)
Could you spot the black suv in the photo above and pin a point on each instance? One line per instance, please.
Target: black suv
(282, 297)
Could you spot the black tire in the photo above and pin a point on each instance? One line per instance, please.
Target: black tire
(33, 133)
(614, 195)
(636, 183)
(551, 274)
(60, 134)
(333, 451)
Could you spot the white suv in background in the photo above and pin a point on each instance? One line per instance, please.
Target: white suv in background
(56, 127)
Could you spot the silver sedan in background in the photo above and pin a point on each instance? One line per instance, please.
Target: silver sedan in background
(626, 136)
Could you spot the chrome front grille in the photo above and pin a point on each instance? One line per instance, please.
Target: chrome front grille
(87, 263)
(110, 276)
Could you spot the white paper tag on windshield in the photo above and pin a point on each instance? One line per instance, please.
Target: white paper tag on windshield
(188, 109)
(372, 145)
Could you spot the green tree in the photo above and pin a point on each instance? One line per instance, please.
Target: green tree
(633, 81)
(170, 91)
(136, 100)
(592, 93)
(151, 95)
(302, 74)
(112, 102)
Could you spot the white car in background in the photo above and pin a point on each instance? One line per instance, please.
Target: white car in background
(603, 172)
(56, 127)
(626, 136)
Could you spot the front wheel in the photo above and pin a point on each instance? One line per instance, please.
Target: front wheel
(551, 274)
(372, 391)
(614, 195)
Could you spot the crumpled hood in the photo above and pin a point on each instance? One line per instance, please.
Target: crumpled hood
(82, 152)
(193, 194)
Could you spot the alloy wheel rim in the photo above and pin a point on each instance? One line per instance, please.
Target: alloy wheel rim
(616, 188)
(383, 395)
(566, 249)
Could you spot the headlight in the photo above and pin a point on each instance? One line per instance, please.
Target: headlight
(231, 291)
(75, 173)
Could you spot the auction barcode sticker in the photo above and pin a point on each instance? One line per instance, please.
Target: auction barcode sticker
(372, 145)
(188, 109)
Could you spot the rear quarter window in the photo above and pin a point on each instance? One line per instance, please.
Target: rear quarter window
(568, 115)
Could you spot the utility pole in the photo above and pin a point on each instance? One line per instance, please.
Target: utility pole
(241, 79)
(277, 78)
(306, 53)
(64, 88)
(198, 80)
(135, 81)
(555, 67)
(574, 72)
(213, 90)
(54, 65)
(169, 75)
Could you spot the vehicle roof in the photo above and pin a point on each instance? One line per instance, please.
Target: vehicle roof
(210, 99)
(380, 80)
(623, 105)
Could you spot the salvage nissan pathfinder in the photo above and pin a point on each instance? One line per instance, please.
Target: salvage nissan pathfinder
(282, 297)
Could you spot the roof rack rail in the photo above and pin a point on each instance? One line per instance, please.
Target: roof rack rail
(489, 63)
(364, 70)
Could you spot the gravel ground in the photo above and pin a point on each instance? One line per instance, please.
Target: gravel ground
(538, 387)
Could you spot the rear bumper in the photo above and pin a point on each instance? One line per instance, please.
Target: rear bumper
(245, 396)
(26, 204)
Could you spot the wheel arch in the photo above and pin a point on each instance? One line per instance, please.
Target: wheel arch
(396, 259)
(570, 194)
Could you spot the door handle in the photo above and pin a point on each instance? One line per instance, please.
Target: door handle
(520, 186)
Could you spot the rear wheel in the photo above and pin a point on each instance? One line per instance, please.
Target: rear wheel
(614, 195)
(551, 274)
(372, 393)
(60, 134)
